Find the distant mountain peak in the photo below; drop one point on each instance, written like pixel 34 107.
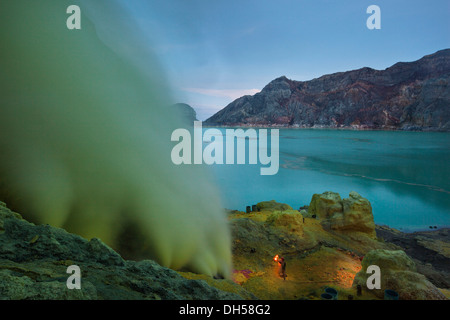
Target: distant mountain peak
pixel 186 112
pixel 282 78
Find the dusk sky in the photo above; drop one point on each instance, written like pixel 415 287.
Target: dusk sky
pixel 216 51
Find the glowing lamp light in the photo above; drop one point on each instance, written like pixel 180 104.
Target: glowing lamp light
pixel 275 258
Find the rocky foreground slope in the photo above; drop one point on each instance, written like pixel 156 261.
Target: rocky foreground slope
pixel 34 261
pixel 329 244
pixel 406 96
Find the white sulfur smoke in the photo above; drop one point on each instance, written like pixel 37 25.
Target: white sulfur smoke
pixel 85 138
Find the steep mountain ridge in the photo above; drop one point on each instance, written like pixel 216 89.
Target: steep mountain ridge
pixel 406 96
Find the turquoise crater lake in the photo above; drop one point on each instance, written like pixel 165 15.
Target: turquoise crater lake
pixel 405 175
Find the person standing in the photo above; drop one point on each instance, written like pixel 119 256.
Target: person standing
pixel 282 268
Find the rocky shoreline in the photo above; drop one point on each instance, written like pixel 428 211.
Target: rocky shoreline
pixel 327 245
pixel 323 127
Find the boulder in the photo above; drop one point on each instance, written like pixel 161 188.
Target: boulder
pixel 353 214
pixel 272 206
pixel 291 220
pixel 356 216
pixel 325 205
pixel 398 273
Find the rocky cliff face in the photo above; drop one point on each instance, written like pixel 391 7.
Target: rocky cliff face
pixel 406 96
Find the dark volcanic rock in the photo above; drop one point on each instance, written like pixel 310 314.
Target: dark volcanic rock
pixel 406 96
pixel 34 261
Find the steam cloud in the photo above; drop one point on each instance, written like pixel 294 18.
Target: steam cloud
pixel 85 138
